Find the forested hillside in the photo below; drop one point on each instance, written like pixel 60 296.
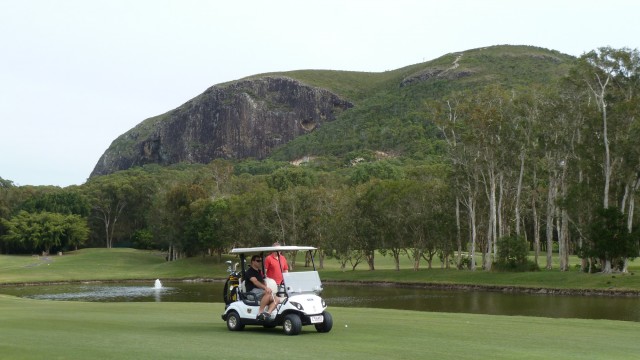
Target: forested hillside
pixel 332 113
pixel 479 158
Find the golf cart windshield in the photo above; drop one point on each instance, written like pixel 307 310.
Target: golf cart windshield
pixel 302 282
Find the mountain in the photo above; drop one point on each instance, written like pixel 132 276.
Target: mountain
pixel 290 115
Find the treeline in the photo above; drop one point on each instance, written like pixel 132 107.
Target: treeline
pixel 191 210
pixel 562 161
pixel 543 169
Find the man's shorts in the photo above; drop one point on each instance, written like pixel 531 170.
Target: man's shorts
pixel 258 292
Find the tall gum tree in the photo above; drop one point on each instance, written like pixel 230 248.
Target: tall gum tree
pixel 612 77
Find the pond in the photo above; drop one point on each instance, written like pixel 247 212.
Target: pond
pixel 388 297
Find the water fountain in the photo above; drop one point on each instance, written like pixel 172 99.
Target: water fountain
pixel 157 285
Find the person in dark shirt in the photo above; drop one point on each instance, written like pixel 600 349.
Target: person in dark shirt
pixel 257 285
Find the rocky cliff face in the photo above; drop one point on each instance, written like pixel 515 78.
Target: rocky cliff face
pixel 245 119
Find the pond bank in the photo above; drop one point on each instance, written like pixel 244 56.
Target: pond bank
pixel 496 288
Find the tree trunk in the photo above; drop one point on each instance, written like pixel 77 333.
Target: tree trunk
pixel 607 153
pixel 563 222
pixel 501 227
pixel 458 234
pixel 370 260
pixel 536 230
pixel 551 199
pixel 632 191
pixel 472 220
pixel 491 226
pixel 518 192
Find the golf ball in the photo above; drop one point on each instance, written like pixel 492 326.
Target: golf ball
pixel 346 325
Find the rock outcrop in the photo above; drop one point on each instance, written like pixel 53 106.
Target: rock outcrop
pixel 243 119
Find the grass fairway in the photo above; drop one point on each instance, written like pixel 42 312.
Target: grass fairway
pixel 123 264
pixel 38 329
pixel 32 329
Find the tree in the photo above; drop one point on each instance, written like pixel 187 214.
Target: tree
pixel 612 78
pixel 343 241
pixel 474 126
pixel 44 231
pixel 610 239
pixel 64 201
pixel 206 229
pixel 76 230
pixel 512 253
pixel 178 211
pixel 108 198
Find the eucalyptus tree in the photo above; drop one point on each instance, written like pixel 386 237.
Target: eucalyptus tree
pixel 612 78
pixel 482 116
pixel 523 125
pixel 465 163
pixel 120 202
pixel 559 137
pixel 325 201
pixel 221 172
pixel 108 199
pixel 292 206
pixel 382 206
pixel 178 204
pixel 429 217
pixel 252 218
pixel 294 211
pixel 429 221
pixel 206 230
pixel 343 242
pixel 370 231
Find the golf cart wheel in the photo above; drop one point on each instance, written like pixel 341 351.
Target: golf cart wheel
pixel 327 324
pixel 234 323
pixel 292 324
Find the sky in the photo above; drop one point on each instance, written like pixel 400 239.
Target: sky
pixel 76 74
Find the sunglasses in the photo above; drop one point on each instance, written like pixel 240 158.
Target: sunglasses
pixel 258 260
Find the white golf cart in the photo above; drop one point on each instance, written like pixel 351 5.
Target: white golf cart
pixel 299 296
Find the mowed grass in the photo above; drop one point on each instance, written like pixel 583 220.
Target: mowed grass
pixel 105 264
pixel 38 329
pixel 32 329
pixel 128 264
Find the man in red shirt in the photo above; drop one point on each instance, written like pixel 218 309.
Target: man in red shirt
pixel 275 264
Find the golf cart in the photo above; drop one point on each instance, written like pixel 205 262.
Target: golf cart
pixel 299 296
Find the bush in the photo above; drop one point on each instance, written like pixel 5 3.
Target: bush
pixel 512 255
pixel 528 265
pixel 465 263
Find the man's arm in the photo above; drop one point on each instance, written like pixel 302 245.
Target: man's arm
pixel 259 284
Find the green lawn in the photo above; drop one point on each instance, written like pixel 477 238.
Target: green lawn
pixel 33 329
pixel 38 329
pixel 120 264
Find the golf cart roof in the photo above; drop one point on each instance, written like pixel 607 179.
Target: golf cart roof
pixel 271 249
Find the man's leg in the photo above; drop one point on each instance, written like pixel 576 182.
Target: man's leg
pixel 272 303
pixel 264 302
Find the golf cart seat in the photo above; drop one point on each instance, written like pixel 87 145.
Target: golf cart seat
pixel 248 298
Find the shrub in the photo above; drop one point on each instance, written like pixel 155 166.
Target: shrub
pixel 512 255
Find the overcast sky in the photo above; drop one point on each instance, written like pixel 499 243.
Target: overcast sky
pixel 74 75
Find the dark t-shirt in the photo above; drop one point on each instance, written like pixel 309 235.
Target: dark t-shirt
pixel 250 273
